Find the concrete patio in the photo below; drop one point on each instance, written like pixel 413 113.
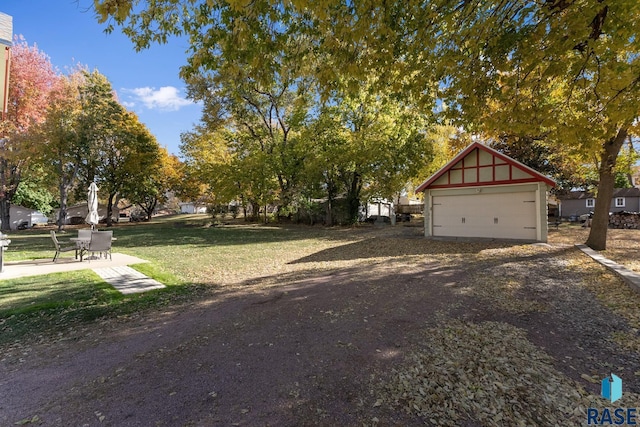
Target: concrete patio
pixel 113 271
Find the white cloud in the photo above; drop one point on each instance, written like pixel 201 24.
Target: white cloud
pixel 167 98
pixel 128 104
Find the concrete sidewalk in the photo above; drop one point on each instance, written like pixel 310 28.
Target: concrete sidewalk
pixel 127 280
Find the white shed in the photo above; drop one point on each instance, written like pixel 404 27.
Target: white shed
pixel 192 208
pixel 81 210
pixel 484 193
pixel 20 214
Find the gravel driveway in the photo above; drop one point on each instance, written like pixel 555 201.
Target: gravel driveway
pixel 393 329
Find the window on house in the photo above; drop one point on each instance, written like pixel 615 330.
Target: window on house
pixel 619 202
pixel 591 203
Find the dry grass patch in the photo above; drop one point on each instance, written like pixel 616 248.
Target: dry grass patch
pixel 618 297
pixel 623 246
pixel 487 372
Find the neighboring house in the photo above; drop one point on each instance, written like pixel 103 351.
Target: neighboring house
pixel 553 206
pixel 406 200
pixel 192 208
pixel 376 208
pixel 583 202
pixel 79 213
pixel 20 214
pixel 484 193
pixel 379 207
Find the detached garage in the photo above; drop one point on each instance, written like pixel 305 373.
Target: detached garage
pixel 483 193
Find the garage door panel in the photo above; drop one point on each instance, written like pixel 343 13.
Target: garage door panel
pixel 503 215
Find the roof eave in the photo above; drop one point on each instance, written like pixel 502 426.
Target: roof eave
pixel 422 187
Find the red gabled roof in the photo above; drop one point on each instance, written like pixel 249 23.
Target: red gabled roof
pixel 537 176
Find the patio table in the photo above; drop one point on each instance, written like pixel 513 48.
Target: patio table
pixel 83 243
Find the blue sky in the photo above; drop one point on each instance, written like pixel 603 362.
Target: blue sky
pixel 147 82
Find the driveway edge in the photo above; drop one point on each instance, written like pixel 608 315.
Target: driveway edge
pixel 632 278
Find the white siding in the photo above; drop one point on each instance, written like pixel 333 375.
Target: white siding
pixel 502 215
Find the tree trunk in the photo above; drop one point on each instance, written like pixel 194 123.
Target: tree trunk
pixel 148 207
pixel 632 154
pixel 110 210
pixel 62 215
pixel 10 178
pixel 331 196
pixel 597 239
pixel 151 208
pixel 5 206
pixel 255 210
pixel 284 198
pixel 353 198
pixel 65 184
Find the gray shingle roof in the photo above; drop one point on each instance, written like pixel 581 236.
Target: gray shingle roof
pixel 618 192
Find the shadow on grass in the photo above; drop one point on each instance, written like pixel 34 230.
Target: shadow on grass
pixel 383 247
pixel 46 304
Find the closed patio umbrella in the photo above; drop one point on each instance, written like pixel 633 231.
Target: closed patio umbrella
pixel 92 203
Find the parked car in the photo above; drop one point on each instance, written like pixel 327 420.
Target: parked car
pixel 123 217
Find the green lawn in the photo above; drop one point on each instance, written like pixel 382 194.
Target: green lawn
pixel 183 251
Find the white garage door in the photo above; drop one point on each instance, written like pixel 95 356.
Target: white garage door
pixel 503 215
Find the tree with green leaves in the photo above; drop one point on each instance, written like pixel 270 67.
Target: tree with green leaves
pixel 566 70
pixel 366 144
pixel 112 147
pixel 231 165
pixel 100 116
pixel 152 187
pixel 128 157
pixel 62 149
pixel 559 68
pixel 263 103
pixel 35 191
pixel 328 140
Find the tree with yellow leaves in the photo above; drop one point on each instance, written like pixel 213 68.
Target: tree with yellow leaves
pixel 567 69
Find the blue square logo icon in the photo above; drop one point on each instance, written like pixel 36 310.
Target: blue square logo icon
pixel 611 388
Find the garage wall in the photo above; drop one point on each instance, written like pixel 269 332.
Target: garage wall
pixel 499 211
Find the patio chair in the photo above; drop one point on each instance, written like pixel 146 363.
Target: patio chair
pixel 59 248
pixel 100 242
pixel 84 233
